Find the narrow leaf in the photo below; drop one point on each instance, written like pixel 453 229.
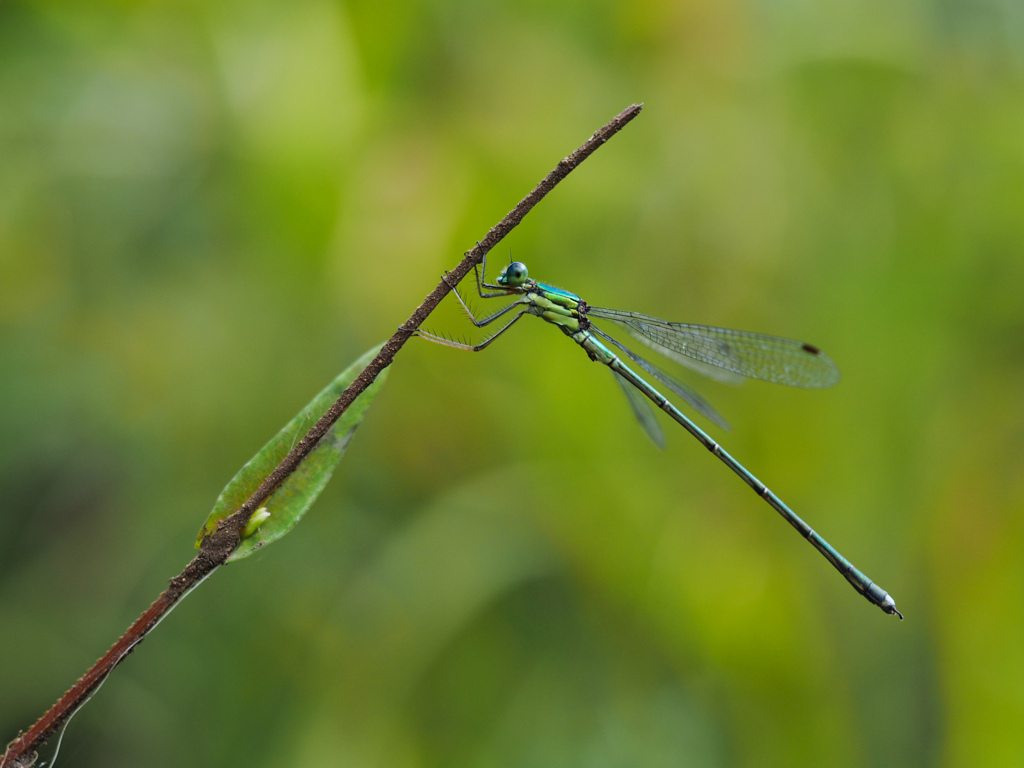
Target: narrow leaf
pixel 293 497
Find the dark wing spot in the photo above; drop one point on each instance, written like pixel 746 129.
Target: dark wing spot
pixel 812 350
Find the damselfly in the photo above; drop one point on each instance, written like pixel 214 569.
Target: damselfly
pixel 716 352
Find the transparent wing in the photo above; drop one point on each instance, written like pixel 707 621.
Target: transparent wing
pixel 642 410
pixel 754 355
pixel 698 403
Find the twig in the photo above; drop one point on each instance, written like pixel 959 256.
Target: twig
pixel 216 547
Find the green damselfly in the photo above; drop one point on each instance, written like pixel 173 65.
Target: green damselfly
pixel 716 352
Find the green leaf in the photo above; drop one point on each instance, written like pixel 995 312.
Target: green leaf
pixel 294 496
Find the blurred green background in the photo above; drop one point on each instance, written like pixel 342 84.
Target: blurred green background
pixel 207 210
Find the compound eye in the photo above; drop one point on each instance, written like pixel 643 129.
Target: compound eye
pixel 516 274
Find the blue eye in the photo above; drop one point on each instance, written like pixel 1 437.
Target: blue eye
pixel 514 275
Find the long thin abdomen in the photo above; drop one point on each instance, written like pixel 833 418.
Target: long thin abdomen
pixel 875 594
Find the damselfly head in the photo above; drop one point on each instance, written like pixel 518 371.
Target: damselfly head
pixel 514 275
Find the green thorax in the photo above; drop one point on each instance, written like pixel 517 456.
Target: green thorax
pixel 559 307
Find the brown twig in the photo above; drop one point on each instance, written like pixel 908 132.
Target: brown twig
pixel 216 547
